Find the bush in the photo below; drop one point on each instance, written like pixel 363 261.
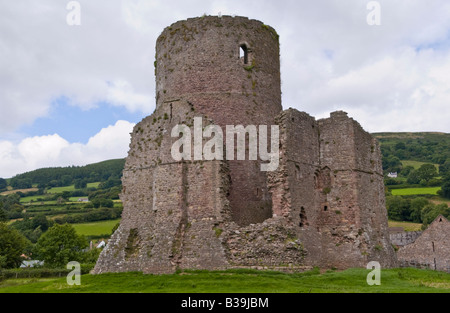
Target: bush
pixel 106 203
pixel 431 212
pixel 60 245
pixel 435 182
pixel 446 188
pixel 89 205
pixel 417 205
pixel 398 208
pixel 12 246
pixel 96 215
pixel 3 217
pixel 3 184
pixel 407 208
pixel 14 215
pixel 392 182
pixel 41 272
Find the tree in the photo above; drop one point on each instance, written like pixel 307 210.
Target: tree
pixel 66 180
pixel 398 208
pixel 80 183
pixel 40 221
pixel 21 183
pixel 392 164
pixel 400 146
pixel 407 170
pixel 446 187
pixel 413 177
pixel 66 195
pixel 9 201
pixel 12 246
pixel 444 169
pixel 434 182
pixel 60 245
pixel 3 184
pixel 102 203
pixel 111 182
pixel 417 205
pixel 431 212
pixel 3 217
pixel 91 256
pixel 427 172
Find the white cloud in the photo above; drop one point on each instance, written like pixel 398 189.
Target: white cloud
pixel 399 92
pixel 121 93
pixel 51 151
pixel 325 45
pixel 42 59
pixel 41 151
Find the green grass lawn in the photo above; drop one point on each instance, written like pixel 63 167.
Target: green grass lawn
pixel 96 228
pixel 243 281
pixel 415 191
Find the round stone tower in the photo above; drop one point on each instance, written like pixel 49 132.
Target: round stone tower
pixel 227 68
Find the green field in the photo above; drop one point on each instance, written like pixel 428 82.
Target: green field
pixel 53 191
pixel 407 226
pixel 31 198
pixel 96 228
pixel 417 164
pixel 415 191
pixel 243 281
pixel 70 188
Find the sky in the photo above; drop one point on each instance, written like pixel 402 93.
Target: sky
pixel 71 94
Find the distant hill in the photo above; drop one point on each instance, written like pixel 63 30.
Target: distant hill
pixel 430 147
pixel 65 176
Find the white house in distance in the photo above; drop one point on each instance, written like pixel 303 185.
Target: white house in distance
pixel 393 175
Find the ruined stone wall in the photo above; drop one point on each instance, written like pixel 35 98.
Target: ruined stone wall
pixel 329 186
pixel 198 60
pixel 404 238
pixel 170 208
pixel 354 220
pixel 431 249
pixel 293 184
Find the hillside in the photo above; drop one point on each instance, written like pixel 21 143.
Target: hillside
pixel 425 147
pixel 419 187
pixel 65 176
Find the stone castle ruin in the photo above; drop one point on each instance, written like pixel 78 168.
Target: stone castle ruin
pixel 323 206
pixel 430 249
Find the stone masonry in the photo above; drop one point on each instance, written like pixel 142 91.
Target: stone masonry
pixel 431 249
pixel 324 205
pixel 404 238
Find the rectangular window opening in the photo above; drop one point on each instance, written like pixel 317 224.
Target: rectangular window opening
pixel 243 53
